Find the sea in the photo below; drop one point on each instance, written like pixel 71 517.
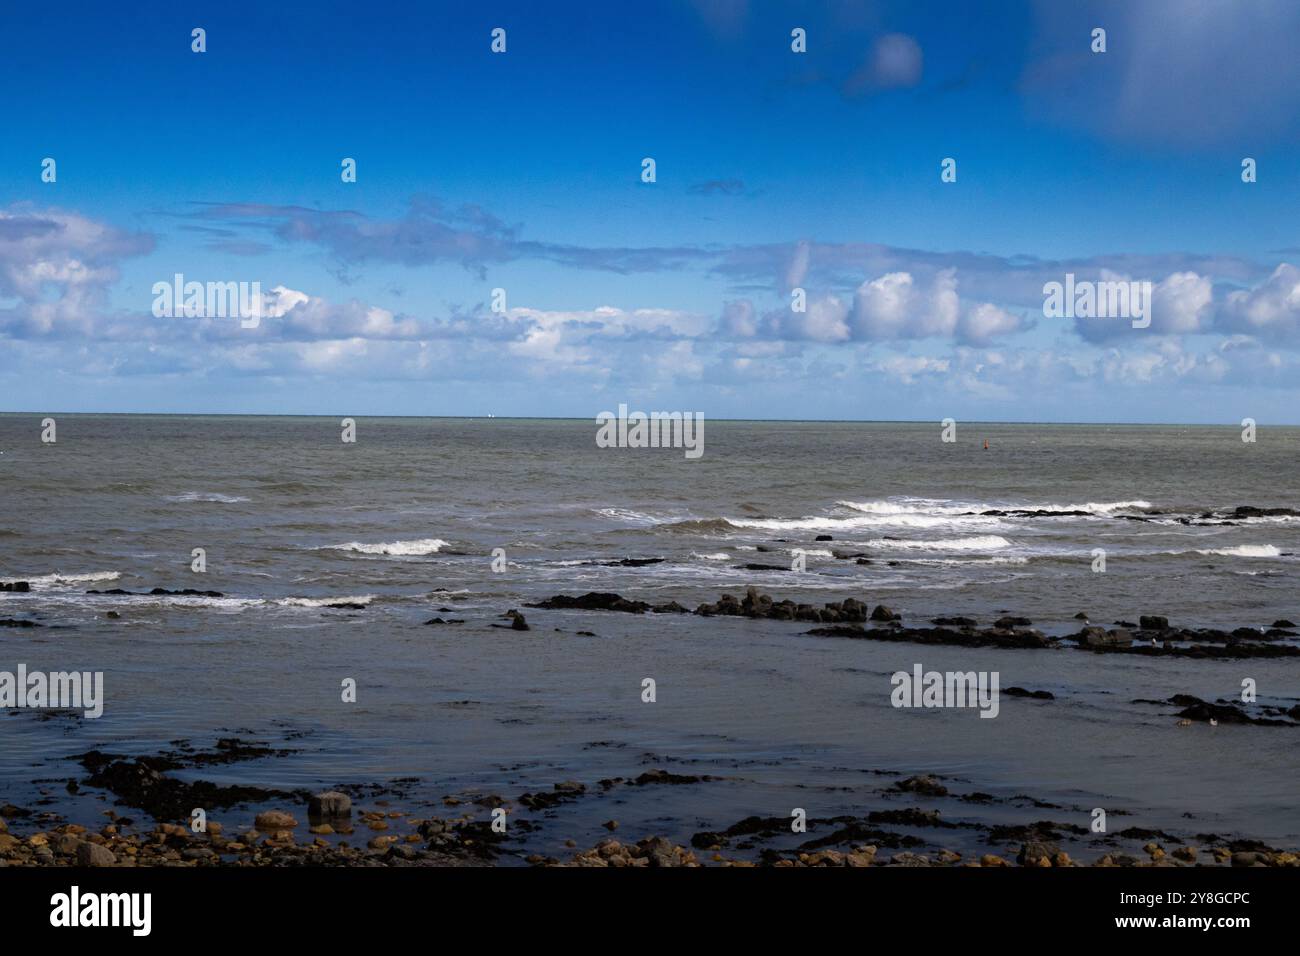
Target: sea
pixel 466 519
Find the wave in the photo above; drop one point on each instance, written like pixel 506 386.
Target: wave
pixel 416 548
pixel 933 508
pixel 208 496
pixel 985 542
pixel 323 602
pixel 626 514
pixel 702 526
pixel 715 556
pixel 1245 551
pixel 43 581
pixel 965 562
pixel 1102 508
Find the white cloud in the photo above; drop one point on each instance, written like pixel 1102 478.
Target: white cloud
pixel 1271 310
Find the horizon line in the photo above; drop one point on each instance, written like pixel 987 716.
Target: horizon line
pixel 593 419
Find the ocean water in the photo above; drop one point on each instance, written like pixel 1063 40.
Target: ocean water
pixel 405 522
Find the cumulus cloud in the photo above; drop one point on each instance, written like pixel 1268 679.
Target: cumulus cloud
pixel 1271 310
pixel 1182 303
pixel 895 307
pixel 57 268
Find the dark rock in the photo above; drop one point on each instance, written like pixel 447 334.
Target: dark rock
pixel 15 622
pixel 1094 636
pixel 15 587
pixel 593 601
pixel 1197 709
pixel 954 621
pixel 1151 622
pixel 882 613
pixel 142 783
pixel 561 792
pixel 1249 511
pixel 157 592
pixel 824 537
pixel 1009 622
pixel 1035 850
pixel 658 851
pixel 438 620
pixel 633 562
pixel 924 784
pixel 1035 694
pixel 663 776
pixel 965 637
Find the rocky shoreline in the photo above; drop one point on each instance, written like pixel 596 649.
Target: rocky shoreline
pixel 910 823
pixel 904 824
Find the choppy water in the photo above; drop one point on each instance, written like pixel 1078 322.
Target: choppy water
pixel 405 522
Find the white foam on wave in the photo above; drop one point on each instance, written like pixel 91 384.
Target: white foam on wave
pixel 715 556
pixel 208 496
pixel 421 546
pixel 822 523
pixel 626 514
pixel 985 542
pixel 1245 551
pixel 932 508
pixel 966 562
pixel 325 601
pixel 1100 508
pixel 59 579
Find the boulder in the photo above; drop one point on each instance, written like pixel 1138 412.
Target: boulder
pixel 330 805
pixel 92 854
pixel 274 820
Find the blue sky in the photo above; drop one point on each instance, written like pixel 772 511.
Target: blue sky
pixel 775 170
